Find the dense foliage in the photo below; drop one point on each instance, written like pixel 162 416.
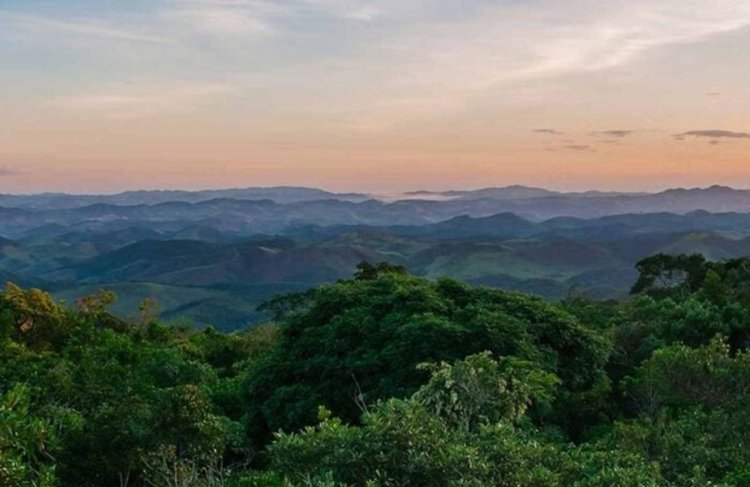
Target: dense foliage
pixel 388 379
pixel 358 342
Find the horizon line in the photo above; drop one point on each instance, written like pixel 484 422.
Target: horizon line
pixel 411 192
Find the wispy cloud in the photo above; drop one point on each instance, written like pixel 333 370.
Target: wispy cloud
pixel 578 147
pixel 230 18
pixel 346 9
pixel 263 16
pixel 8 171
pixel 142 100
pixel 184 23
pixel 612 133
pixel 616 32
pixel 713 134
pixel 414 60
pixel 506 43
pixel 35 25
pixel 365 14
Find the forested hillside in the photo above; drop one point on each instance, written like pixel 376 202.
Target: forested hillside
pixel 211 257
pixel 209 263
pixel 388 379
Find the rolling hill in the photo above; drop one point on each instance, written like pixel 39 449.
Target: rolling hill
pixel 213 256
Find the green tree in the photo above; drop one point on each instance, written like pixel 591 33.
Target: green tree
pixel 357 342
pixel 27 443
pixel 39 321
pixel 479 390
pixel 465 436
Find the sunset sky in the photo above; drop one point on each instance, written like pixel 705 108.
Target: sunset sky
pixel 102 96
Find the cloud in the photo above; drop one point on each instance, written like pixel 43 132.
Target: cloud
pixel 365 14
pixel 612 133
pixel 182 23
pixel 145 100
pixel 247 16
pixel 7 171
pixel 415 60
pixel 713 134
pixel 454 62
pixel 578 147
pixel 172 24
pixel 345 9
pixel 224 19
pixel 85 28
pixel 548 131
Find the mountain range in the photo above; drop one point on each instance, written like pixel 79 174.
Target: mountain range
pixel 210 257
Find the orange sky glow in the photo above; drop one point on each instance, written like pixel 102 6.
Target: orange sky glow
pixel 374 96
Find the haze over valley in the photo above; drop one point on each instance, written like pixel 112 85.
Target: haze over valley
pixel 210 257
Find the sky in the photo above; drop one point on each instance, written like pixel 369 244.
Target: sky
pixel 382 95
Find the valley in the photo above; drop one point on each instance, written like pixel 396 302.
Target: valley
pixel 212 261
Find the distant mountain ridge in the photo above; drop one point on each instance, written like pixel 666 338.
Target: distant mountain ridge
pixel 296 207
pixel 515 191
pixel 212 256
pixel 279 194
pixel 297 194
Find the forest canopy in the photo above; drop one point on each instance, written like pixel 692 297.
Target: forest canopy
pixel 388 379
